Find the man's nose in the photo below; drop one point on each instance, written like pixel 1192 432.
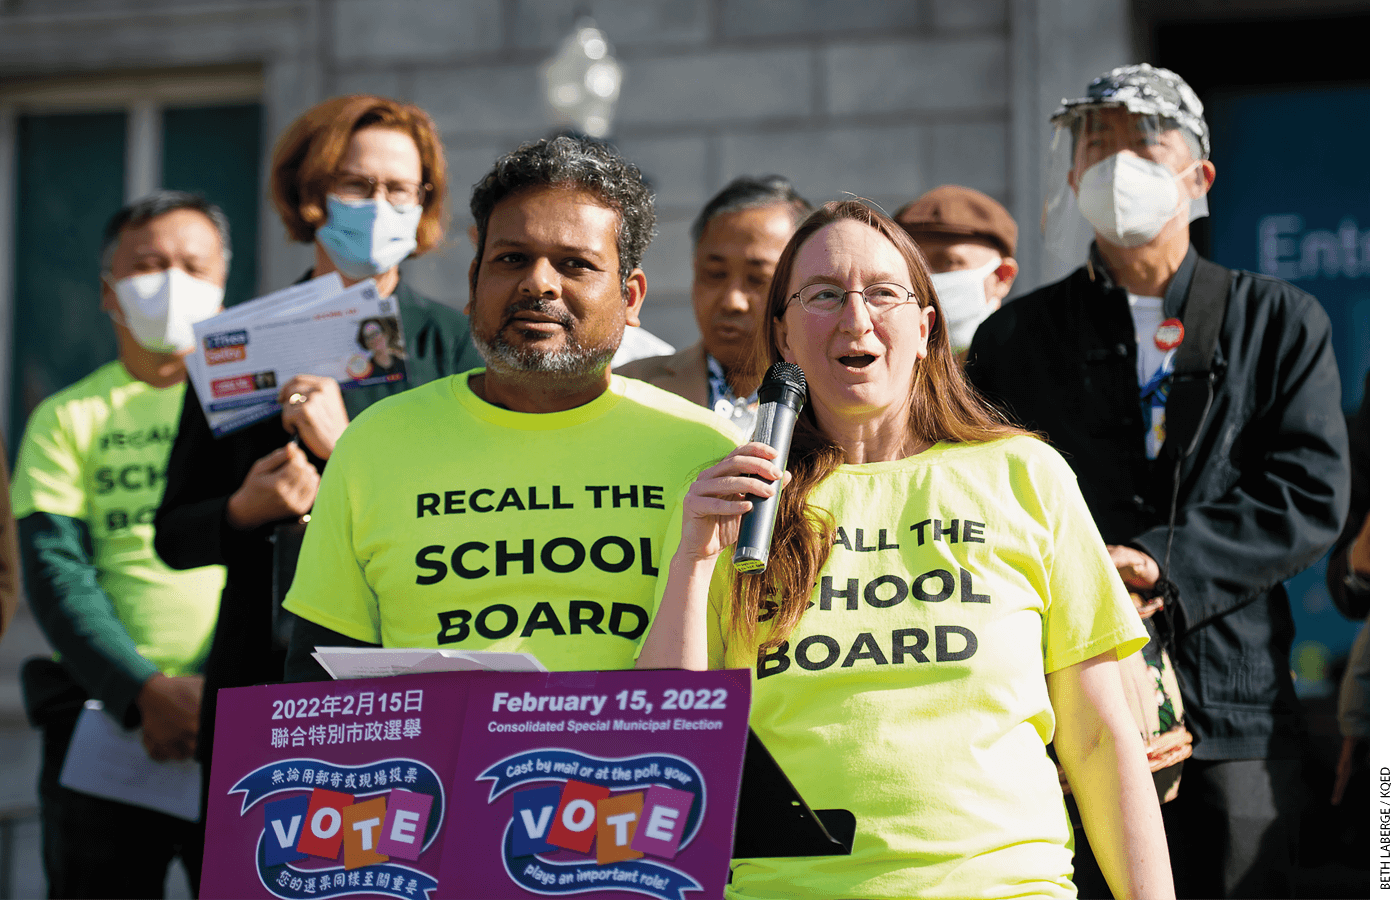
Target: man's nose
pixel 736 296
pixel 541 279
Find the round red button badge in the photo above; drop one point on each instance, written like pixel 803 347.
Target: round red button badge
pixel 1169 335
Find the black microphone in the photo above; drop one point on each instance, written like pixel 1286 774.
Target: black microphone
pixel 780 399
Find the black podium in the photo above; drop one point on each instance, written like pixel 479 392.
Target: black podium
pixel 774 820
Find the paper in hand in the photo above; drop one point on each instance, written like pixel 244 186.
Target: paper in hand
pixel 244 355
pixel 108 761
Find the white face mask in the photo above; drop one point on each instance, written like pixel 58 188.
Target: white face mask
pixel 160 308
pixel 1129 200
pixel 962 294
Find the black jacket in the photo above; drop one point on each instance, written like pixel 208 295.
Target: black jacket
pixel 1353 601
pixel 204 471
pixel 1261 497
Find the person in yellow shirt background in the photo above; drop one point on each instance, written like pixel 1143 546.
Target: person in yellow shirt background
pixel 128 630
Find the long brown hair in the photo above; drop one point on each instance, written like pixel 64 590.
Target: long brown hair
pixel 943 408
pixel 306 156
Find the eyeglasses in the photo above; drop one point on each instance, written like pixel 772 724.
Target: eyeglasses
pixel 825 299
pixel 363 187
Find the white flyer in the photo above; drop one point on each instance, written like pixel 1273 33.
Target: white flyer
pixel 379 662
pixel 269 305
pixel 244 355
pixel 108 761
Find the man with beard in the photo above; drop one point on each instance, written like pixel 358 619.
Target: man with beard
pixel 520 521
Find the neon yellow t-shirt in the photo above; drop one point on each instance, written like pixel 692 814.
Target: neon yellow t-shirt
pixel 444 521
pixel 913 689
pixel 96 451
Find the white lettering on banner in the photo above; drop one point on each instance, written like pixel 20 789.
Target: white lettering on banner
pixel 325 822
pixel 351 733
pixel 1287 251
pixel 348 705
pixel 577 816
pixel 286 836
pixel 366 829
pixel 662 824
pixel 619 824
pixel 405 826
pixel 528 702
pixel 535 829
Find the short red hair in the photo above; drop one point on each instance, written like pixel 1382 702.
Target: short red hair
pixel 310 150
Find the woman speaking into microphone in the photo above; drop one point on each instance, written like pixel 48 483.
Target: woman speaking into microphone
pixel 937 606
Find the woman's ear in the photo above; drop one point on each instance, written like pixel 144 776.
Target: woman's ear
pixel 780 337
pixel 927 316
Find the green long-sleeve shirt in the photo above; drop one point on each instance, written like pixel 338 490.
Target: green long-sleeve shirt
pixel 77 616
pixel 89 476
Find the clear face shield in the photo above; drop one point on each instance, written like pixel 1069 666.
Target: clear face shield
pixel 1120 177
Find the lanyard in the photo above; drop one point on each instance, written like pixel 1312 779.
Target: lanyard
pixel 1153 398
pixel 740 411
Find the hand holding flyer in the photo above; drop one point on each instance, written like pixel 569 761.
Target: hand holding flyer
pixel 244 356
pixel 314 410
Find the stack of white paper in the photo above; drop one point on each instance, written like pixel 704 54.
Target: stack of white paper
pixel 378 662
pixel 108 761
pixel 244 355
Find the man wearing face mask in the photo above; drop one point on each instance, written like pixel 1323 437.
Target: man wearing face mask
pixel 1200 408
pixel 969 240
pixel 129 631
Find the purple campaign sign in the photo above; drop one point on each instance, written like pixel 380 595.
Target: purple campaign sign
pixel 277 745
pixel 355 788
pixel 588 757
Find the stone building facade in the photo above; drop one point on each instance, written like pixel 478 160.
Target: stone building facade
pixel 884 99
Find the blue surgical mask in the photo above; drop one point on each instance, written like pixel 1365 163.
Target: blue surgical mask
pixel 368 237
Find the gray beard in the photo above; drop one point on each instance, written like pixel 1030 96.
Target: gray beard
pixel 573 360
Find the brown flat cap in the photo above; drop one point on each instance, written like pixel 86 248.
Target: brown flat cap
pixel 954 209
